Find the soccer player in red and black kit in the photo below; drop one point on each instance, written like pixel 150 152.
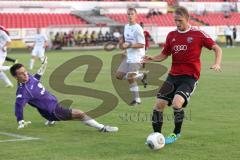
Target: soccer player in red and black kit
pixel 184 45
pixel 147 37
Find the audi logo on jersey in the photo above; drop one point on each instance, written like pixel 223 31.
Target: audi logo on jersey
pixel 178 48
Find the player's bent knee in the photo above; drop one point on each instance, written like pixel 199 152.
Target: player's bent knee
pixel 77 114
pixel 178 101
pixel 160 104
pixel 131 81
pixel 119 76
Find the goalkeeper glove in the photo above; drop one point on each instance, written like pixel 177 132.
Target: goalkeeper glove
pixel 43 67
pixel 22 124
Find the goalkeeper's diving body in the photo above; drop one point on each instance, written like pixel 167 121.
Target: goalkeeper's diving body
pixel 31 91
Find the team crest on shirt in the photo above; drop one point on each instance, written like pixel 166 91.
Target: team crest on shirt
pixel 173 40
pixel 189 39
pixel 19 96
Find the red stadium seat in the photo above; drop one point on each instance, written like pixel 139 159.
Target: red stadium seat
pixel 218 18
pixel 34 20
pixel 160 20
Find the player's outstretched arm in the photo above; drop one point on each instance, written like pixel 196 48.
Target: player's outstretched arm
pixel 127 45
pixel 19 105
pixel 157 58
pixel 218 58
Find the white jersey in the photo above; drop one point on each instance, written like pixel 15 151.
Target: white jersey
pixel 228 31
pixel 4 38
pixel 39 41
pixel 134 34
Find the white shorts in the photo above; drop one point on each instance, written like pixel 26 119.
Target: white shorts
pixel 125 67
pixel 38 52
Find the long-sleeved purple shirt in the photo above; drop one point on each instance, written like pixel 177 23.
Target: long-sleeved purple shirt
pixel 34 93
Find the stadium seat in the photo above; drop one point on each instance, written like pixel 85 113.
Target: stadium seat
pixel 159 20
pixel 35 20
pixel 218 18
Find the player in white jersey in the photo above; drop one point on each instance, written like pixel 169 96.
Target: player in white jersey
pixel 39 48
pixel 9 59
pixel 4 42
pixel 133 42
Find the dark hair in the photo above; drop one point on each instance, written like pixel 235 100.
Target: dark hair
pixel 132 9
pixel 141 24
pixel 14 68
pixel 182 11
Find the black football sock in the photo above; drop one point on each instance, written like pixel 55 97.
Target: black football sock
pixel 10 59
pixel 178 120
pixel 157 121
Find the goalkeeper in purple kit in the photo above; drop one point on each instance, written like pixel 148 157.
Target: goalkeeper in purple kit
pixel 31 91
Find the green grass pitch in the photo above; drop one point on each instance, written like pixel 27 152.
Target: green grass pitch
pixel 211 130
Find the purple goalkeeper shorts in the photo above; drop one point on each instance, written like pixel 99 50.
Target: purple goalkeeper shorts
pixel 62 114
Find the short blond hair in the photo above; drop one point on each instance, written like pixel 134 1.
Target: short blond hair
pixel 182 11
pixel 132 9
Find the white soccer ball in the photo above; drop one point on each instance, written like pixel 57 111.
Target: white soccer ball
pixel 155 141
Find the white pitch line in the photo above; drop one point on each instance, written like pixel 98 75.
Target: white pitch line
pixel 19 137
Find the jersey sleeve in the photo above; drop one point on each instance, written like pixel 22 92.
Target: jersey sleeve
pixel 207 41
pixel 19 105
pixel 140 36
pixel 167 48
pixel 37 76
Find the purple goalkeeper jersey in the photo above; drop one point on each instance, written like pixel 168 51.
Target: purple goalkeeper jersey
pixel 34 93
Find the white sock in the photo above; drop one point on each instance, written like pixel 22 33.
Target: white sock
pixel 92 123
pixel 138 100
pixel 135 91
pixel 31 64
pixel 125 77
pixel 130 75
pixel 139 76
pixel 4 68
pixel 4 77
pixel 42 59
